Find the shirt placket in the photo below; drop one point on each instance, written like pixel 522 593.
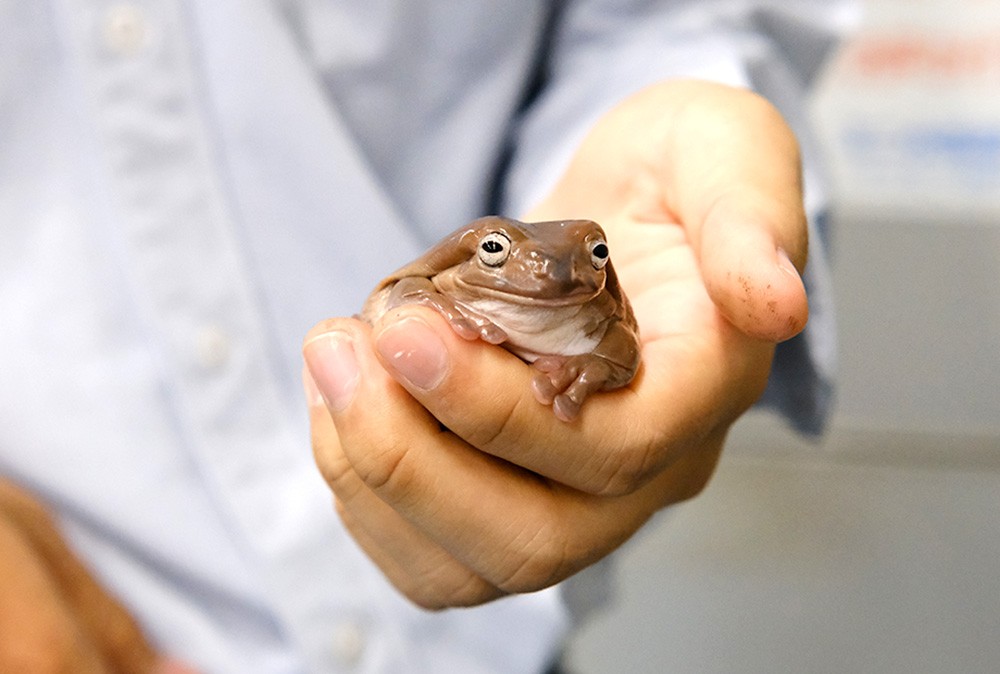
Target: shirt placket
pixel 169 205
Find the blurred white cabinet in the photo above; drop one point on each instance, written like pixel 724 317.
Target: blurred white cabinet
pixel 908 114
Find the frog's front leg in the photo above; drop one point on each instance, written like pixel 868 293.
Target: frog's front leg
pixel 565 382
pixel 466 322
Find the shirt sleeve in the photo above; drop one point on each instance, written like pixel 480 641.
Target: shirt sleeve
pixel 601 51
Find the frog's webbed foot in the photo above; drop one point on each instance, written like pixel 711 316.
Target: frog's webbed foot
pixel 468 324
pixel 565 382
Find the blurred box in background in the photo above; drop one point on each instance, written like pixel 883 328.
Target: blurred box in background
pixel 908 116
pixel 909 109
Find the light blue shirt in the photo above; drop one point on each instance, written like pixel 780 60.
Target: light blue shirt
pixel 186 187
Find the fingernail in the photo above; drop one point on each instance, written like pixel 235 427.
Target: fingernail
pixel 414 351
pixel 313 397
pixel 333 368
pixel 785 263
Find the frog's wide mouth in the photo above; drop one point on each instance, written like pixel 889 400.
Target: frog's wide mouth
pixel 577 295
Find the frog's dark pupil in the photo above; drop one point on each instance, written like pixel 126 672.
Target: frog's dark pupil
pixel 492 246
pixel 601 251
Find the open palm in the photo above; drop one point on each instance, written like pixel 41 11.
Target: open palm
pixel 703 211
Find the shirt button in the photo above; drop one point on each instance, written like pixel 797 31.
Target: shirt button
pixel 348 643
pixel 212 347
pixel 125 29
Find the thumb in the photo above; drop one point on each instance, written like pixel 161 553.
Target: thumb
pixel 751 276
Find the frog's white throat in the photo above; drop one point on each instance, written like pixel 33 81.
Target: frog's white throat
pixel 535 329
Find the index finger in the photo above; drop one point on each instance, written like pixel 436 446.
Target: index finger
pixel 621 439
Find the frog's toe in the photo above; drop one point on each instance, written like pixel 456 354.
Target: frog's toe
pixel 565 408
pixel 549 363
pixel 464 328
pixel 558 376
pixel 492 334
pixel 543 389
pixel 560 388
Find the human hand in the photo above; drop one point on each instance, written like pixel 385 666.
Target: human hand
pixel 448 472
pixel 54 617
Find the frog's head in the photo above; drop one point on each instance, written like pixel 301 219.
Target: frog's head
pixel 557 262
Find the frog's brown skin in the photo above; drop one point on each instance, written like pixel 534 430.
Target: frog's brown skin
pixel 546 291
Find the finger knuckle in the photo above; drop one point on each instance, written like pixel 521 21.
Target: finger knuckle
pixel 457 591
pixel 692 487
pixel 337 473
pixel 386 470
pixel 543 559
pixel 505 428
pixel 622 476
pixel 694 471
pixel 355 461
pixel 624 467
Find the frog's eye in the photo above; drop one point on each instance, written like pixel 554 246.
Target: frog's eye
pixel 494 249
pixel 598 254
